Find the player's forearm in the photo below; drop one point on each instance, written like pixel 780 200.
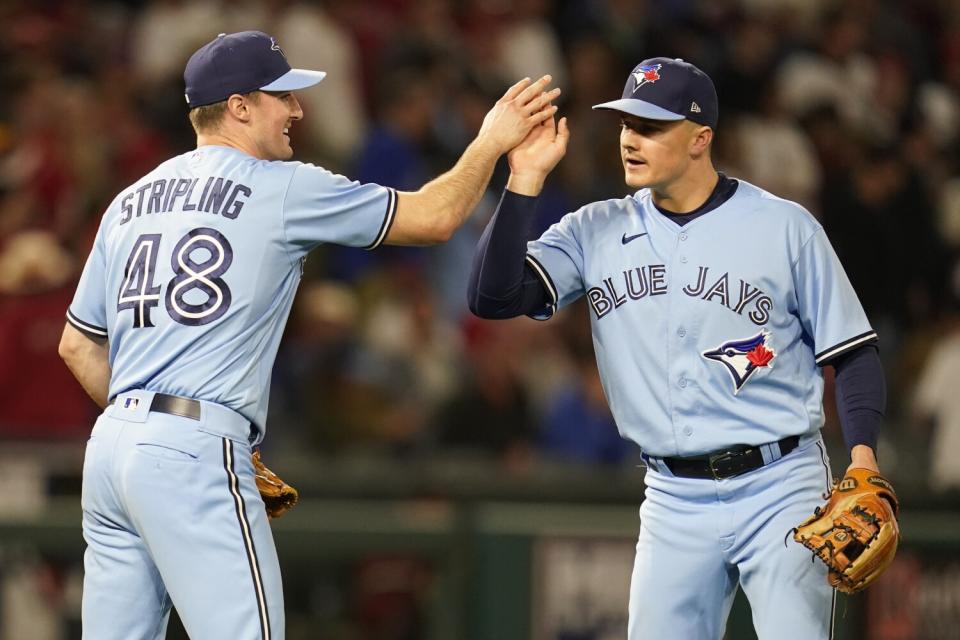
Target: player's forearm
pixel 861 401
pixel 89 362
pixel 458 191
pixel 441 206
pixel 500 285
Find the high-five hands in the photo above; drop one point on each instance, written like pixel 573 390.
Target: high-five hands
pixel 534 158
pixel 524 106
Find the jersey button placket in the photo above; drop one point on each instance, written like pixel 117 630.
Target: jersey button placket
pixel 683 401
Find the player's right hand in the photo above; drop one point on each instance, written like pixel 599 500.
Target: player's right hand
pixel 524 106
pixel 536 156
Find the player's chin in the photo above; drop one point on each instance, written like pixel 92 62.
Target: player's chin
pixel 285 152
pixel 636 177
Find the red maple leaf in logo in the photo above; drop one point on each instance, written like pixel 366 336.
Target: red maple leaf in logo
pixel 651 75
pixel 761 356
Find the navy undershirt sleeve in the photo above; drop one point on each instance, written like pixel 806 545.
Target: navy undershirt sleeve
pixel 501 284
pixel 861 395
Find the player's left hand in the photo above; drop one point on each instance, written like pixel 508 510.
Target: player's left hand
pixel 863 457
pixel 536 156
pixel 278 496
pixel 856 533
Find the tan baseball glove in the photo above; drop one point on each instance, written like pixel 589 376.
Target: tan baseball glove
pixel 856 532
pixel 278 496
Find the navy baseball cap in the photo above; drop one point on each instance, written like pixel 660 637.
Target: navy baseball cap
pixel 668 89
pixel 240 63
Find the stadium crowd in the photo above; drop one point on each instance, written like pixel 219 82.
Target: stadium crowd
pixel 851 108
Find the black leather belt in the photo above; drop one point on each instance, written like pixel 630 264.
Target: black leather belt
pixel 727 464
pixel 175 406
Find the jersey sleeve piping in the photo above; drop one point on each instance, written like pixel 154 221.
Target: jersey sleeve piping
pixel 90 330
pixel 817 229
pixel 388 219
pixel 283 216
pixel 548 285
pixel 825 356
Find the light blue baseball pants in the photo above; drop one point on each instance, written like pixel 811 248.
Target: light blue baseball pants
pixel 172 516
pixel 700 538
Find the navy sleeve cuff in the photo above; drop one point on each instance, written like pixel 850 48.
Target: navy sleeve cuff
pixel 861 395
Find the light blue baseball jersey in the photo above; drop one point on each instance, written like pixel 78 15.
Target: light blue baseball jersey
pixel 195 266
pixel 711 334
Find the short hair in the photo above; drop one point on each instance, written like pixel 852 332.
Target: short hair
pixel 207 118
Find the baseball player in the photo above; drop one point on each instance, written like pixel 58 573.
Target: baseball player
pixel 713 306
pixel 175 324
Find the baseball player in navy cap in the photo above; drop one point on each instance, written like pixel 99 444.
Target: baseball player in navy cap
pixel 713 306
pixel 175 324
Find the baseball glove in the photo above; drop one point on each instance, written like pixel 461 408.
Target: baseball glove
pixel 278 496
pixel 856 533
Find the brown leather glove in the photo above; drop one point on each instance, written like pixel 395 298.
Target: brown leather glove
pixel 856 533
pixel 278 496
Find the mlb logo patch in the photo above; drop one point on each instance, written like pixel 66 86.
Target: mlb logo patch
pixel 131 403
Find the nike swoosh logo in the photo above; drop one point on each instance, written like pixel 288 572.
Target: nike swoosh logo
pixel 625 239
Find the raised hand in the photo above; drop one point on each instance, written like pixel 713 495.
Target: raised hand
pixel 524 106
pixel 537 155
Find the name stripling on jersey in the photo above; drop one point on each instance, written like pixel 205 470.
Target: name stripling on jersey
pixel 214 238
pixel 220 196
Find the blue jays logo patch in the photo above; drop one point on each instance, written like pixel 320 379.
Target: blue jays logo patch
pixel 646 73
pixel 742 358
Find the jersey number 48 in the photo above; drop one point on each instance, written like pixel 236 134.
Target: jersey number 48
pixel 196 295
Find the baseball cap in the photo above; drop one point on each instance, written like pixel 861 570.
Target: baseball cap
pixel 240 63
pixel 668 89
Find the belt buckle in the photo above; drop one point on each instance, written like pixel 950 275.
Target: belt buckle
pixel 718 457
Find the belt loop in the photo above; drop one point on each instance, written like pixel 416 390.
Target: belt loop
pixel 649 461
pixel 770 452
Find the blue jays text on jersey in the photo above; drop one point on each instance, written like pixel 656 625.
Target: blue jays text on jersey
pixel 638 282
pixel 710 334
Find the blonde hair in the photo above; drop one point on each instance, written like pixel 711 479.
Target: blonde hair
pixel 207 118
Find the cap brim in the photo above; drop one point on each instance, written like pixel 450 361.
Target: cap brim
pixel 295 79
pixel 640 109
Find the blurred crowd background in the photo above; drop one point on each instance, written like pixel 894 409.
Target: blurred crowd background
pixel 851 108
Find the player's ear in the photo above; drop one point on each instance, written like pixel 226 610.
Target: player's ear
pixel 700 140
pixel 238 107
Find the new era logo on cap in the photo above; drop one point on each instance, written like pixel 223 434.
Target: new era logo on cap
pixel 240 63
pixel 668 89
